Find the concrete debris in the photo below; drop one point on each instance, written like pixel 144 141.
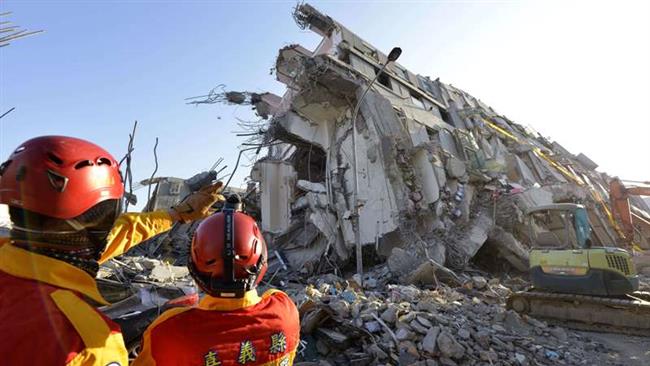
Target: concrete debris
pixel 429 341
pixel 586 162
pixel 167 273
pixel 407 325
pixel 424 274
pixel 449 347
pixel 264 104
pixel 479 282
pixel 514 324
pixel 402 262
pixel 235 97
pixel 455 168
pixel 308 186
pixel 507 247
pixel 128 269
pixel 475 236
pixel 139 289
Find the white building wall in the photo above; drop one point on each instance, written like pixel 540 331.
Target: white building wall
pixel 277 180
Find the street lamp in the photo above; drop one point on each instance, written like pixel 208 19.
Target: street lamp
pixel 392 56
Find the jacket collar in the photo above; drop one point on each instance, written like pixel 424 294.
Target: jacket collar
pixel 250 298
pixel 22 263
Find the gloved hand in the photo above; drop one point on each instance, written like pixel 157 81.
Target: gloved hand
pixel 197 204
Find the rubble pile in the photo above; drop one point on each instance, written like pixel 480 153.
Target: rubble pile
pixel 343 324
pixel 143 269
pixel 172 247
pixel 139 289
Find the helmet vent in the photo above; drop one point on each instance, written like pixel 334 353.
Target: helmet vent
pixel 104 161
pixel 83 164
pixel 211 261
pixel 19 149
pixel 57 181
pixel 57 160
pixel 4 167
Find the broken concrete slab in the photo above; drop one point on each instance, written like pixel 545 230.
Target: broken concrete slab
pixel 455 168
pixel 449 346
pixel 586 162
pixel 509 248
pixel 429 342
pixel 167 273
pixel 402 262
pixel 427 176
pixel 277 180
pixel 533 197
pixel 475 236
pixel 518 171
pixel 308 186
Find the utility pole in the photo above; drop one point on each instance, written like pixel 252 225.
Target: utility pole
pixel 392 56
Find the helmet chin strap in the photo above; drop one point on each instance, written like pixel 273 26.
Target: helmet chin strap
pixel 63 245
pixel 90 266
pixel 45 232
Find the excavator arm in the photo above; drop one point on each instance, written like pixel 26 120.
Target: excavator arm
pixel 619 196
pixel 638 191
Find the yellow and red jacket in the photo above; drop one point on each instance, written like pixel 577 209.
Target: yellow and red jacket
pixel 44 319
pixel 248 331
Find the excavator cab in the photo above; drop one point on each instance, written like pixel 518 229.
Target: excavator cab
pixel 563 260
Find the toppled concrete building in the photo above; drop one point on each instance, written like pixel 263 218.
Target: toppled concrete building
pixel 441 174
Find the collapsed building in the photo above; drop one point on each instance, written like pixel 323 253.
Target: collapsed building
pixel 436 179
pixel 442 176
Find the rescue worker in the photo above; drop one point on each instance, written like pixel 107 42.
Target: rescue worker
pixel 64 196
pixel 232 324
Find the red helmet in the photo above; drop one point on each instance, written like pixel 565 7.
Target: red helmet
pixel 228 254
pixel 59 177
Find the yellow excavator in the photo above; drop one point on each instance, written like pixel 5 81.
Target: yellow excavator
pixel 576 284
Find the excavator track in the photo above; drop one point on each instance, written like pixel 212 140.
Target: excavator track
pixel 628 314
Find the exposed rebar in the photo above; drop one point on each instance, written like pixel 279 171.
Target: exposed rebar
pixel 128 177
pixel 7 112
pixel 13 32
pixel 155 170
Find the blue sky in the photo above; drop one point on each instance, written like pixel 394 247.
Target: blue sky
pixel 576 71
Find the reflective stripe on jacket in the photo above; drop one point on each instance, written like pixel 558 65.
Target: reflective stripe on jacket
pixel 251 331
pixel 44 319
